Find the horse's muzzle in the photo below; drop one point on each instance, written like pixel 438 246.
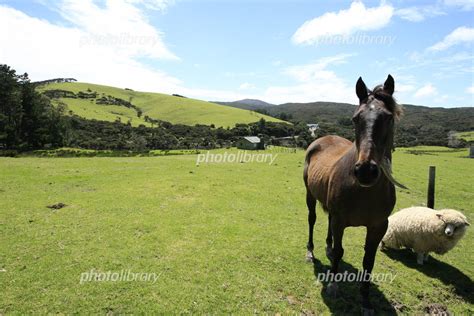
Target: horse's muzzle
pixel 366 173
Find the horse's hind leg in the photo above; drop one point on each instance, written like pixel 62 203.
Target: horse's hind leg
pixel 311 203
pixel 337 230
pixel 329 240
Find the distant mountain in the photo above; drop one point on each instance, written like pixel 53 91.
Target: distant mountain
pixel 418 125
pixel 333 112
pixel 248 104
pixel 314 112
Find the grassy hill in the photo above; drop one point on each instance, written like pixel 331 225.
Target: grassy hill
pixel 174 109
pixel 467 136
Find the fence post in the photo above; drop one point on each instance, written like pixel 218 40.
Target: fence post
pixel 431 187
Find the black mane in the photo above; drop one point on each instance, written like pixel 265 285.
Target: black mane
pixel 379 93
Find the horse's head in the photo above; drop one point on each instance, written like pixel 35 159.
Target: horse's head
pixel 374 123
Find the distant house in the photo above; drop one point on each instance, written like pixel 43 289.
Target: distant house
pixel 312 128
pixel 250 143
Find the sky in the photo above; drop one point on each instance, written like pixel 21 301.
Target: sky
pixel 224 50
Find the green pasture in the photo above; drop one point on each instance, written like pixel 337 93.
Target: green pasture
pixel 467 136
pixel 221 238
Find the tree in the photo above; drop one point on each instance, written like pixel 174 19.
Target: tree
pixel 27 119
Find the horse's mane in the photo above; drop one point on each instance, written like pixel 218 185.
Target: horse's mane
pixel 392 105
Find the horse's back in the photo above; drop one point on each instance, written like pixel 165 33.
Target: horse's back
pixel 329 148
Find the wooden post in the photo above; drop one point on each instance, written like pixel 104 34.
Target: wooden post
pixel 431 187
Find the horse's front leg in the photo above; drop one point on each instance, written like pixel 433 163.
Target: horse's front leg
pixel 311 203
pixel 337 231
pixel 372 240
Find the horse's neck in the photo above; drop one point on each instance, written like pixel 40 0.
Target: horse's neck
pixel 352 155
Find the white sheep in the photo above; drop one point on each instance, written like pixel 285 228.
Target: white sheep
pixel 425 230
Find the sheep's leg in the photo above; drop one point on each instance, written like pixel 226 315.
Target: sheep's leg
pixel 311 203
pixel 372 240
pixel 419 258
pixel 337 231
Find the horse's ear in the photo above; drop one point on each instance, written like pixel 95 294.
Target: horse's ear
pixel 361 90
pixel 389 85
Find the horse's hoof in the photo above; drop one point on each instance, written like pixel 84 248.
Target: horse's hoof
pixel 331 289
pixel 309 256
pixel 329 253
pixel 367 311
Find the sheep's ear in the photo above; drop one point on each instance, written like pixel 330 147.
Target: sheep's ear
pixel 467 223
pixel 440 216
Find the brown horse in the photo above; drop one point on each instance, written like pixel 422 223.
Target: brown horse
pixel 353 181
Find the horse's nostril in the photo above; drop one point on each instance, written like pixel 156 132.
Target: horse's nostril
pixel 366 172
pixel 357 166
pixel 374 170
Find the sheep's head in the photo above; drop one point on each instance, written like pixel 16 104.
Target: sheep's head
pixel 455 223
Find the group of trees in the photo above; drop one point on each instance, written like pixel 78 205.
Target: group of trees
pixel 92 134
pixel 418 126
pixel 27 119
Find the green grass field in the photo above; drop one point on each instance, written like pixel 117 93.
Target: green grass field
pixel 467 136
pixel 222 238
pixel 155 105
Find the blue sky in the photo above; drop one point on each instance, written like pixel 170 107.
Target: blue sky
pixel 277 51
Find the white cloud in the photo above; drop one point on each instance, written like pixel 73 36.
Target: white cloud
pixel 460 35
pixel 46 50
pixel 316 70
pixel 427 90
pixel 345 22
pixel 400 87
pixel 470 89
pixel 161 5
pixel 316 82
pixel 119 24
pixel 418 13
pixel 246 86
pixel 464 4
pixel 277 63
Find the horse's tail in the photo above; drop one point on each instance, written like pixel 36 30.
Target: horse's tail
pixel 312 148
